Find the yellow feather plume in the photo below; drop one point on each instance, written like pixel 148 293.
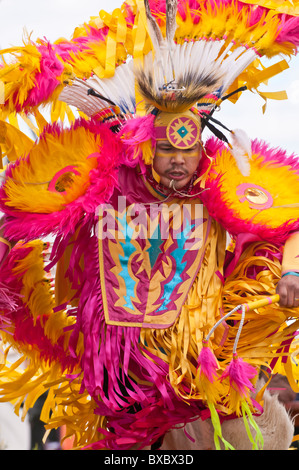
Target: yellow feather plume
pixel 28 186
pixel 273 178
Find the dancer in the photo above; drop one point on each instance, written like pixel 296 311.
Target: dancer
pixel 150 323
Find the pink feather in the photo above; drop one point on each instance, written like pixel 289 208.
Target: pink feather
pixel 46 80
pixel 219 208
pixel 240 373
pixel 289 30
pixel 138 130
pixel 207 363
pixel 134 133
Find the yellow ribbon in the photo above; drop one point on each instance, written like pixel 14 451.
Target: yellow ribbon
pixel 252 81
pixel 6 242
pixel 121 31
pixel 274 95
pixel 263 76
pixel 110 54
pixel 30 124
pixel 117 34
pixel 140 27
pixel 139 38
pixel 14 143
pixel 271 71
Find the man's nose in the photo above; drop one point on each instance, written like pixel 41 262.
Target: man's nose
pixel 178 156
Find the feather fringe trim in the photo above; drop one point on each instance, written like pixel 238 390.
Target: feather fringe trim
pixel 273 219
pixel 65 186
pixel 34 326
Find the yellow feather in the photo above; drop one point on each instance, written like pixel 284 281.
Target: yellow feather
pixel 28 186
pixel 274 178
pixel 14 143
pixel 291 7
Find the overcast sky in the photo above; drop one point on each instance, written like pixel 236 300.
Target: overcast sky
pixel 58 18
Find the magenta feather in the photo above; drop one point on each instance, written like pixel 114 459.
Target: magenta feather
pixel 207 363
pixel 239 374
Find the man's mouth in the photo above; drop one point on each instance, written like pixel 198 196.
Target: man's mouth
pixel 177 175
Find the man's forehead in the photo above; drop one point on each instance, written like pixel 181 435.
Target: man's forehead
pixel 164 143
pixel 182 131
pixel 165 149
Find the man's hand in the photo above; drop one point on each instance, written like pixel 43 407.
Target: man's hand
pixel 288 290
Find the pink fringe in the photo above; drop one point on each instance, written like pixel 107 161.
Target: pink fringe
pixel 16 319
pixel 144 427
pixel 8 300
pixel 138 413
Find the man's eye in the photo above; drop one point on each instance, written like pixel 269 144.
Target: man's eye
pixel 191 149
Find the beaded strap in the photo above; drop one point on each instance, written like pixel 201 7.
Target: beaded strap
pixel 291 273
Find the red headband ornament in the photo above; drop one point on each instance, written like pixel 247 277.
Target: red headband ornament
pixel 182 132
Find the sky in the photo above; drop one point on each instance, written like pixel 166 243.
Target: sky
pixel 279 126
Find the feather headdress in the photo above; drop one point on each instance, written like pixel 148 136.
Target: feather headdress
pixel 165 54
pixel 220 38
pixel 165 80
pixel 190 54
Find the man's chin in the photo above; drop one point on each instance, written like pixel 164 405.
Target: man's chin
pixel 174 183
pixel 179 184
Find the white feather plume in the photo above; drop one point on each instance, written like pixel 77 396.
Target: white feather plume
pixel 120 89
pixel 241 150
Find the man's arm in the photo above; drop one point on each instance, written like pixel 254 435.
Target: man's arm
pixel 288 286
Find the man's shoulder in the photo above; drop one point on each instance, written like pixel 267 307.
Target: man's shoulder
pixel 128 178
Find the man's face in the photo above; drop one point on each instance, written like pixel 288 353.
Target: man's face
pixel 174 164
